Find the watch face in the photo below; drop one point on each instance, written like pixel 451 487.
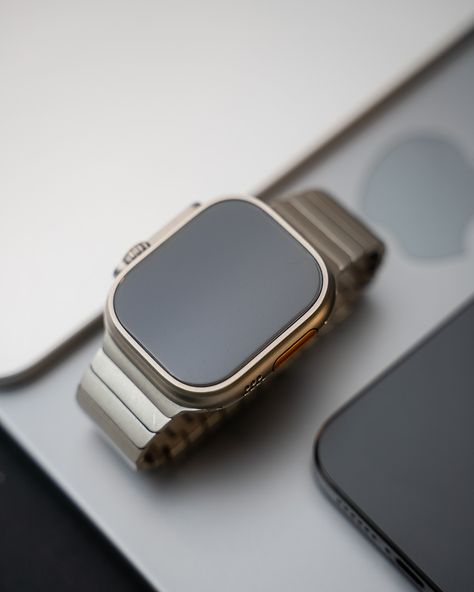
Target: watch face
pixel 217 292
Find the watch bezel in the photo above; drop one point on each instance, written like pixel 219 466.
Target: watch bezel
pixel 231 389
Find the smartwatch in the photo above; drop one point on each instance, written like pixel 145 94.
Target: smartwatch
pixel 206 310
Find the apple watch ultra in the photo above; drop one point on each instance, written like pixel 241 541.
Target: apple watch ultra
pixel 201 314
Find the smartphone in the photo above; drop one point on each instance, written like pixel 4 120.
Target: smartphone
pixel 398 459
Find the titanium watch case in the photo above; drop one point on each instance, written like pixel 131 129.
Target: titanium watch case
pixel 232 389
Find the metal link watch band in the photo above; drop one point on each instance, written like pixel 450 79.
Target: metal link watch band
pixel 349 248
pixel 146 426
pixel 150 429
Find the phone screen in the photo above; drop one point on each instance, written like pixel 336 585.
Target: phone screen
pixel 401 456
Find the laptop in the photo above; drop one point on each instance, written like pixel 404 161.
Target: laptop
pixel 243 511
pixel 108 113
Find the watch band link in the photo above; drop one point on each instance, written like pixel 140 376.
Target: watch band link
pixel 349 248
pixel 145 425
pixel 147 428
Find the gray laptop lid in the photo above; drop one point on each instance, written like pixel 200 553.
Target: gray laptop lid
pixel 114 117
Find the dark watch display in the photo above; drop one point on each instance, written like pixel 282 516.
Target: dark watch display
pixel 217 292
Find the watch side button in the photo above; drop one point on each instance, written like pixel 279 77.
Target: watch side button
pixel 291 351
pixel 130 255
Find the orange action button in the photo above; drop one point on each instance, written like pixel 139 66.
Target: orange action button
pixel 286 355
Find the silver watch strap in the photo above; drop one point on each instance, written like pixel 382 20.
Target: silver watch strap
pixel 349 248
pixel 144 424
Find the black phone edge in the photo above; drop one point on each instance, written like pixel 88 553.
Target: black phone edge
pixel 347 506
pixel 369 529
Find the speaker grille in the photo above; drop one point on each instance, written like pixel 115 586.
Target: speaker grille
pixel 255 382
